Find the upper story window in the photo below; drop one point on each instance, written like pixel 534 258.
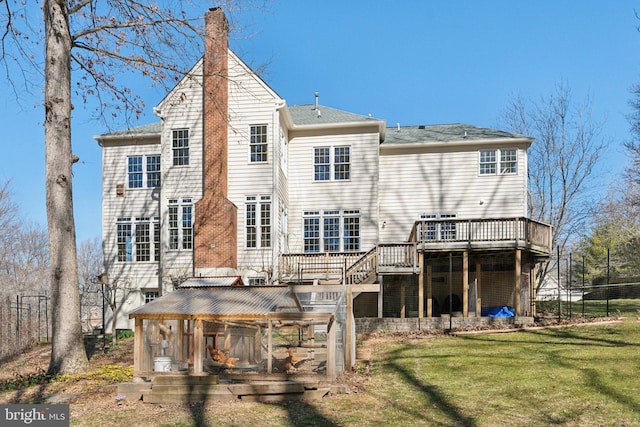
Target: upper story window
pixel 180 146
pixel 138 239
pixel 150 296
pixel 332 163
pixel 499 161
pixel 258 144
pixel 257 281
pixel 143 171
pixel 258 221
pixel 180 224
pixel 331 231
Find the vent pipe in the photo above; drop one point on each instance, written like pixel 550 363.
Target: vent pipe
pixel 317 95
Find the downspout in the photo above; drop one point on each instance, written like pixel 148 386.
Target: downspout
pixel 275 208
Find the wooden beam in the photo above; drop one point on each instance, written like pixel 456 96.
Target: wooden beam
pixel 518 280
pixel 198 347
pixel 381 298
pixel 270 348
pixel 478 288
pixel 429 290
pixel 465 284
pixel 351 341
pixel 421 285
pixel 138 347
pixel 403 305
pixel 180 338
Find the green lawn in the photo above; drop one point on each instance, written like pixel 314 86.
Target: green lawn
pixel 579 376
pixel 571 376
pixel 574 376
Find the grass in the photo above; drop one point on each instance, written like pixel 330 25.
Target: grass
pixel 569 376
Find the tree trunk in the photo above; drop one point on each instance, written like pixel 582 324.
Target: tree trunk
pixel 67 354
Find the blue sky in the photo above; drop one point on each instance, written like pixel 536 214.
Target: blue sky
pixel 409 62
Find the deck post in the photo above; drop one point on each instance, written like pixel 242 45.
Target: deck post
pixel 465 283
pixel 421 285
pixel 534 289
pixel 429 290
pixel 351 342
pixel 403 305
pixel 478 288
pixel 380 297
pixel 518 280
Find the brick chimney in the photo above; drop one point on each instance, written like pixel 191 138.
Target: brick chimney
pixel 215 227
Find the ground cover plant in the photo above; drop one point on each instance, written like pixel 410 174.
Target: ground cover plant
pixel 569 376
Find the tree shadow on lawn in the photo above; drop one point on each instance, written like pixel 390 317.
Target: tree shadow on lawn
pixel 433 394
pixel 565 335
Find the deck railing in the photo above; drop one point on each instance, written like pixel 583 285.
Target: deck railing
pixel 522 232
pixel 401 258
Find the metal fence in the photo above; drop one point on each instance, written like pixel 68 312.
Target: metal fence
pixel 24 321
pixel 589 301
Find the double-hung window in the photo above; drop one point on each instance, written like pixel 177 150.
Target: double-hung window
pixel 138 239
pixel 180 146
pixel 499 161
pixel 258 143
pixel 438 228
pixel 258 221
pixel 331 231
pixel 332 163
pixel 143 171
pixel 150 296
pixel 180 224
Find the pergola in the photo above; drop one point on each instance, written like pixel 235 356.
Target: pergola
pixel 242 321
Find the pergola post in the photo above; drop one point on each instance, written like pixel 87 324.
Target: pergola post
pixel 198 340
pixel 138 346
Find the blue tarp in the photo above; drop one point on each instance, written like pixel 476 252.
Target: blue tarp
pixel 499 311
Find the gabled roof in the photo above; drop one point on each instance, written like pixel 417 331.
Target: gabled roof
pixel 308 117
pixel 303 115
pixel 151 130
pixel 221 302
pixel 447 133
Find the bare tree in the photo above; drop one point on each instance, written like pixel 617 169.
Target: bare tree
pixel 562 159
pixel 89 268
pixel 96 40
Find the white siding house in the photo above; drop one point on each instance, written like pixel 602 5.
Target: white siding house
pixel 313 186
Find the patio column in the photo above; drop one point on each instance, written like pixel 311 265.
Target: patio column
pixel 421 285
pixel 465 284
pixel 517 273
